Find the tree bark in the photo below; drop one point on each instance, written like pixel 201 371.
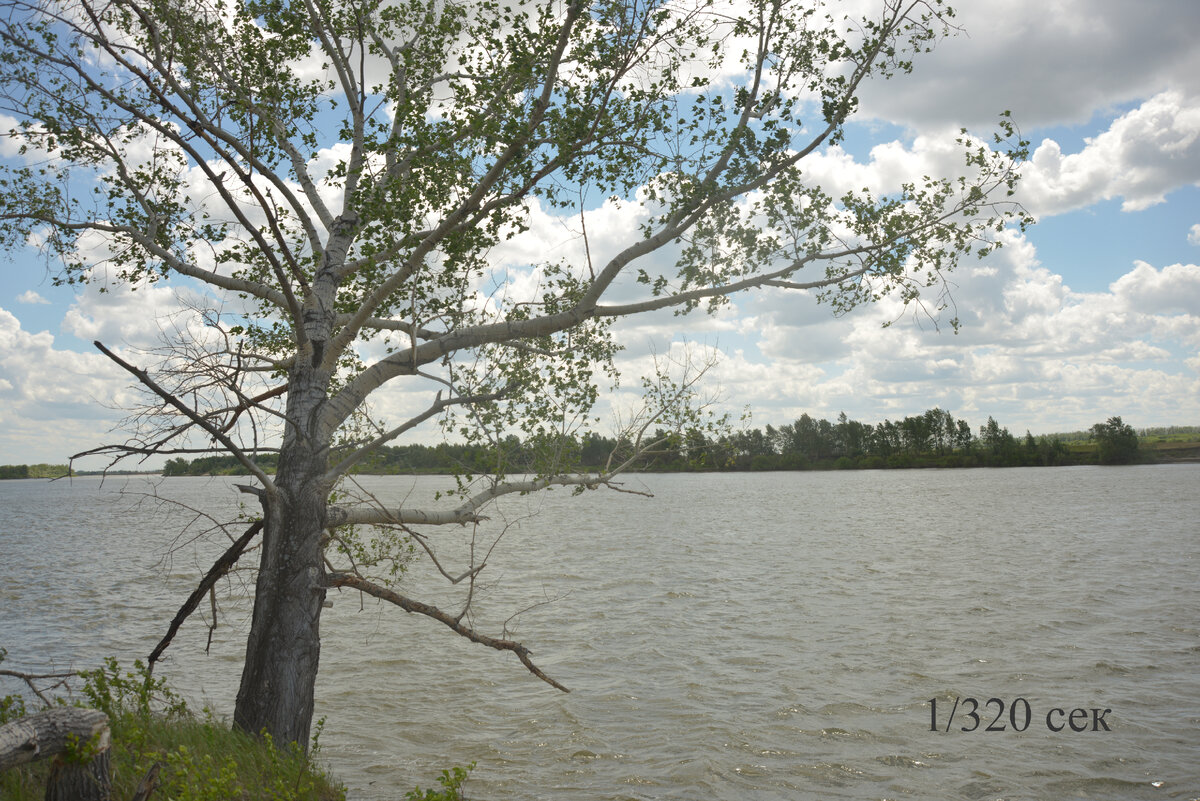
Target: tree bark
pixel 56 732
pixel 284 645
pixel 81 781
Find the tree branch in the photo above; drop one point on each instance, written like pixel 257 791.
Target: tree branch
pixel 435 408
pixel 216 433
pixel 30 678
pixel 409 605
pixel 218 569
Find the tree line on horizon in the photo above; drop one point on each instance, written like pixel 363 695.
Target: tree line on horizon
pixel 934 438
pixel 34 471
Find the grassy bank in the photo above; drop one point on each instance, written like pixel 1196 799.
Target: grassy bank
pixel 194 757
pixel 199 758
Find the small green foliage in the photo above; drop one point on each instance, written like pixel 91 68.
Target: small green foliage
pixel 201 759
pixel 11 706
pixel 115 692
pixel 318 730
pixel 451 780
pixel 199 777
pixel 81 752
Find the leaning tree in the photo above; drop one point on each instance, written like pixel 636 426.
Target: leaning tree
pixel 345 179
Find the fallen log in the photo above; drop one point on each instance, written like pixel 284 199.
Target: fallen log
pixel 78 740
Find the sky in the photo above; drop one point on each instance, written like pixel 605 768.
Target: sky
pixel 1093 312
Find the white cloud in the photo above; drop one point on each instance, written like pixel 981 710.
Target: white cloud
pixel 125 316
pixel 1175 288
pixel 32 298
pixel 138 314
pixel 1033 353
pixel 1194 234
pixel 1144 155
pixel 53 402
pixel 10 143
pixel 890 164
pixel 1050 63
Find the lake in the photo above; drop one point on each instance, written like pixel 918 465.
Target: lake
pixel 737 636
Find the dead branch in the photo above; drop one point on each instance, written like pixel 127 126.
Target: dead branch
pixel 546 602
pixel 178 540
pixel 245 403
pixel 30 678
pixel 409 605
pixel 217 434
pixel 219 568
pixel 148 784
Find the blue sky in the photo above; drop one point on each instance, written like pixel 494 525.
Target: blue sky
pixel 1093 312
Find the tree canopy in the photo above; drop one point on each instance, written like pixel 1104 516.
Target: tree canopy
pixel 339 175
pixel 1117 441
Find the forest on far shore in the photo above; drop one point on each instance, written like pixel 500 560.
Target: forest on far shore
pixel 932 439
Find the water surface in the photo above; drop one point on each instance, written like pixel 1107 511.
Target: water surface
pixel 738 636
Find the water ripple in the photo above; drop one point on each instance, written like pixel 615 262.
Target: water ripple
pixel 739 636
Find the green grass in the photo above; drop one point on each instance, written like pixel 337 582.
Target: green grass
pixel 201 758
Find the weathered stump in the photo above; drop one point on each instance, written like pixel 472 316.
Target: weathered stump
pixel 89 780
pixel 77 739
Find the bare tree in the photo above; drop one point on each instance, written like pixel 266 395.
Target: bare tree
pixel 339 173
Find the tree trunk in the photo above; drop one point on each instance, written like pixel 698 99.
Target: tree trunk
pixel 284 645
pixel 81 781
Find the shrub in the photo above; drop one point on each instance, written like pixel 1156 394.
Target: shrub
pixel 200 759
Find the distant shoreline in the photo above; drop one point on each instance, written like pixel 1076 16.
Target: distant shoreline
pixel 1187 452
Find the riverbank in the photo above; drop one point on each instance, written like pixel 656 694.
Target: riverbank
pixel 158 741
